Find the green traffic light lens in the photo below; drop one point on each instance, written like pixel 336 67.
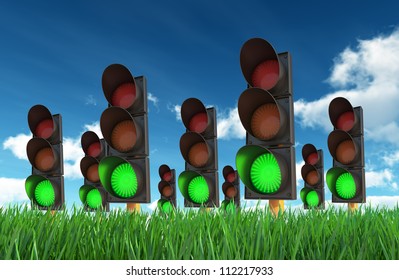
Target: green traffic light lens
pixel 346 186
pixel 266 174
pixel 94 199
pixel 167 207
pixel 44 193
pixel 312 199
pixel 198 190
pixel 124 181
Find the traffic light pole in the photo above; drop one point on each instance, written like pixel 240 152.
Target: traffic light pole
pixel 133 207
pixel 276 206
pixel 353 207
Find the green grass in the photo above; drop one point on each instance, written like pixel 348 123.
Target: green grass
pixel 256 234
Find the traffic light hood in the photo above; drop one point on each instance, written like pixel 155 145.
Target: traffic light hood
pixel 351 181
pixel 198 157
pixel 116 75
pixel 86 165
pixel 90 138
pixel 106 170
pixel 252 99
pixel 343 148
pixel 245 159
pixel 254 52
pixel 184 180
pixel 43 124
pixel 343 116
pixel 42 155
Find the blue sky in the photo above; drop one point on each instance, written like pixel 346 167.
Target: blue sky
pixel 54 54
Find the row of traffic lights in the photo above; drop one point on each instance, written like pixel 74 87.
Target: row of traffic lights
pixel 266 164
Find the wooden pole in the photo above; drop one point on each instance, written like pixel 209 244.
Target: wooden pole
pixel 133 207
pixel 276 206
pixel 353 207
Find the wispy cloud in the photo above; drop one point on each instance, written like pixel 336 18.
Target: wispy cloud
pixel 12 190
pixel 152 98
pixel 90 100
pixel 176 110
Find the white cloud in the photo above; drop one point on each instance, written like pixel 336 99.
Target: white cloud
pixel 382 179
pixel 382 201
pixel 90 100
pixel 391 159
pixel 95 127
pixel 153 99
pixel 175 109
pixel 73 154
pixel 17 145
pixel 299 180
pixel 12 190
pixel 367 77
pixel 229 125
pixel 153 205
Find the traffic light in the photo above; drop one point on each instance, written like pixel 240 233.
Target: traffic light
pixel 124 173
pixel 198 146
pixel 312 195
pixel 346 179
pixel 167 189
pixel 45 187
pixel 266 164
pixel 230 188
pixel 92 193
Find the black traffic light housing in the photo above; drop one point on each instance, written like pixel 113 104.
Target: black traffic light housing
pixel 231 186
pixel 266 111
pixel 346 146
pixel 124 125
pixel 167 188
pixel 312 173
pixel 92 191
pixel 198 146
pixel 45 153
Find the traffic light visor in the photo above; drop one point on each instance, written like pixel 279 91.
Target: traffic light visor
pixel 165 173
pixel 91 144
pixel 259 169
pixel 260 64
pixel 41 122
pixel 342 147
pixel 119 177
pixel 342 115
pixel 342 183
pixel 194 187
pixel 41 190
pixel 229 174
pixel 89 169
pixel 41 154
pixel 260 114
pixel 194 115
pixel 195 149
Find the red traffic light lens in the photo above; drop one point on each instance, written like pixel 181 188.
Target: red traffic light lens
pixel 124 136
pixel 312 178
pixel 231 177
pixel 124 95
pixel 266 74
pixel 346 152
pixel 198 122
pixel 265 122
pixel 167 176
pixel 94 149
pixel 312 159
pixel 346 121
pixel 198 154
pixel 45 129
pixel 44 159
pixel 92 173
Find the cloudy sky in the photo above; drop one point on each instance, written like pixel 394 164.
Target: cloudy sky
pixel 54 54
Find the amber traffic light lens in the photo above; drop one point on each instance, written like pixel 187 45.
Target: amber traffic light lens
pixel 92 173
pixel 266 74
pixel 265 122
pixel 231 192
pixel 312 177
pixel 346 152
pixel 44 159
pixel 167 191
pixel 45 129
pixel 198 155
pixel 124 95
pixel 123 136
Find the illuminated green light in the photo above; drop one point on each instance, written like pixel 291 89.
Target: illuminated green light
pixel 167 207
pixel 124 181
pixel 198 190
pixel 266 174
pixel 346 186
pixel 94 199
pixel 312 199
pixel 44 193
